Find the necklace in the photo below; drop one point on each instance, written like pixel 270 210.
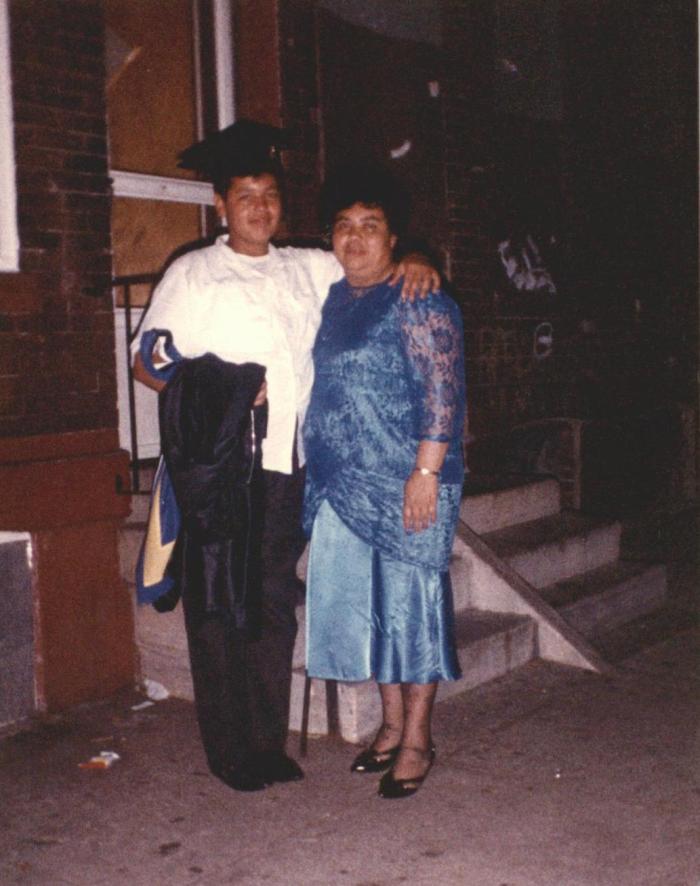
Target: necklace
pixel 357 292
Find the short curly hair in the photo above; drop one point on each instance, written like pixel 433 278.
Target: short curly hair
pixel 371 185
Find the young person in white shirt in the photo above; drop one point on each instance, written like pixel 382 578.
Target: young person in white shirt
pixel 246 300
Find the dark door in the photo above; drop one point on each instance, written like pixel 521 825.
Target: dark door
pixel 380 99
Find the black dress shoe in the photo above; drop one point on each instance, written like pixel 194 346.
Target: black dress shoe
pixel 242 778
pixel 391 788
pixel 276 766
pixel 374 761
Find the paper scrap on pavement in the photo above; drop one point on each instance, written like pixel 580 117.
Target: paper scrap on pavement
pixel 155 691
pixel 102 761
pixel 142 706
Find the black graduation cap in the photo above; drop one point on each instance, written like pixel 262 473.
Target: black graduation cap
pixel 246 147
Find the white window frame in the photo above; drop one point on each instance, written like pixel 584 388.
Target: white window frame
pixel 159 187
pixel 9 235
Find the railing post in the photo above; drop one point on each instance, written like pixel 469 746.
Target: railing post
pixel 125 283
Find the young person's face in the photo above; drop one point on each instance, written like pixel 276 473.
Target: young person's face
pixel 363 244
pixel 252 209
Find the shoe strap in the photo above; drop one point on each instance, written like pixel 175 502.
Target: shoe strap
pixel 424 752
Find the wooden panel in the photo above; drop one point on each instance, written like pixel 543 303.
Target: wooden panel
pixel 151 84
pixel 146 234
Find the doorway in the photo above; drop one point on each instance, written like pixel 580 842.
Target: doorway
pixel 379 81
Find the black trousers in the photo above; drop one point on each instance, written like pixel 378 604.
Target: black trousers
pixel 242 686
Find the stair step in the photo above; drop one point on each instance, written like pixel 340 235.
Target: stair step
pixel 162 646
pixel 610 596
pixel 130 540
pixel 489 645
pixel 630 638
pixel 555 548
pixel 140 505
pixel 299 656
pixel 141 501
pixel 494 502
pixel 170 668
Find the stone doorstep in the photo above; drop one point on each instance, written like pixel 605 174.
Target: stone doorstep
pixel 556 548
pixel 489 645
pixel 492 503
pixel 169 667
pixel 546 551
pixel 489 503
pixel 140 506
pixel 608 597
pixel 160 630
pixel 161 644
pixel 130 540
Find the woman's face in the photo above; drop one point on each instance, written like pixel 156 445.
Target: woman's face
pixel 363 244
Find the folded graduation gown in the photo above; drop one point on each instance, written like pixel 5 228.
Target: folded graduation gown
pixel 211 441
pixel 155 582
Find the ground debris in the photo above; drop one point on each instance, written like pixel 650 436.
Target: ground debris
pixel 103 760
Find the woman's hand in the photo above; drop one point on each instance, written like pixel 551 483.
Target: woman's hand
pixel 261 395
pixel 420 501
pixel 419 276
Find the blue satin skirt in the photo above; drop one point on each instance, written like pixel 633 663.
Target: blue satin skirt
pixel 368 616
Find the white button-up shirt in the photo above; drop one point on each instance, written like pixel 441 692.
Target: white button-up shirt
pixel 242 308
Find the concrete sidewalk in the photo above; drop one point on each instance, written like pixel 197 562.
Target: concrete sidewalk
pixel 547 777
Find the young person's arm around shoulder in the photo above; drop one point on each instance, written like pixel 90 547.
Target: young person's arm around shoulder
pixel 419 276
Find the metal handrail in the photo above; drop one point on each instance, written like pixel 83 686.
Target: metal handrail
pixel 125 282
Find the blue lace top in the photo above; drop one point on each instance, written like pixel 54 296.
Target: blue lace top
pixel 388 374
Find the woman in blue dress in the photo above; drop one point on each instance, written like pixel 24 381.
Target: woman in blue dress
pixel 383 442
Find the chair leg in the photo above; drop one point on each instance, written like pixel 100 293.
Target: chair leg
pixel 332 712
pixel 304 734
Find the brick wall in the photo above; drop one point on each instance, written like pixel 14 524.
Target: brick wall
pixel 466 103
pixel 56 327
pixel 607 176
pixel 300 112
pixel 59 457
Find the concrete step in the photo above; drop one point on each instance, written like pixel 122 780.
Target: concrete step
pixel 628 639
pixel 489 645
pixel 161 642
pixel 555 548
pixel 130 539
pixel 299 657
pixel 140 504
pixel 605 598
pixel 140 501
pixel 491 502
